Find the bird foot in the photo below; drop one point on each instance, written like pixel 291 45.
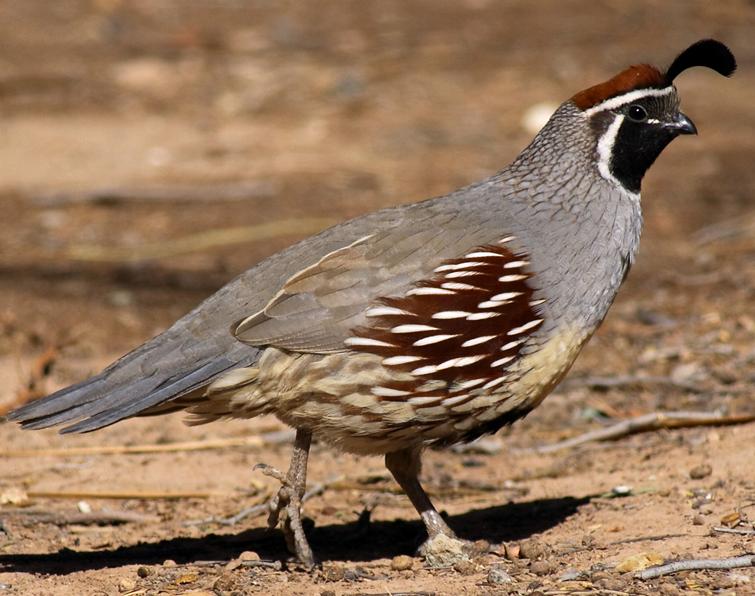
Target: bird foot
pixel 443 550
pixel 285 510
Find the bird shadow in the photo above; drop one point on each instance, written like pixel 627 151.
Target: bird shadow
pixel 356 541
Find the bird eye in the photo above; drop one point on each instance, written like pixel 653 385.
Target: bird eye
pixel 637 113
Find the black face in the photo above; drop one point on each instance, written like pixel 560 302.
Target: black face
pixel 648 125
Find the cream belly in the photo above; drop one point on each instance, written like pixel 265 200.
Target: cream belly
pixel 333 396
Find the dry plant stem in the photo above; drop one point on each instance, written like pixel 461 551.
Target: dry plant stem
pixel 648 422
pixel 274 437
pixel 194 193
pixel 126 494
pixel 289 499
pixel 622 381
pixel 95 517
pixel 739 531
pixel 696 564
pixel 202 241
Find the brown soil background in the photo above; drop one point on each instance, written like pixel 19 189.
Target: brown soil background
pixel 329 110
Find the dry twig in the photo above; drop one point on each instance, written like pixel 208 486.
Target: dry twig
pixel 624 380
pixel 275 437
pixel 187 193
pixel 124 494
pixel 740 531
pixel 645 423
pixel 199 242
pixel 696 564
pixel 104 517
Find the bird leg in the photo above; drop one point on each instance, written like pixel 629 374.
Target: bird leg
pixel 442 546
pixel 286 504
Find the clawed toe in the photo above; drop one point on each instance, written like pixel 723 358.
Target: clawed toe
pixel 285 506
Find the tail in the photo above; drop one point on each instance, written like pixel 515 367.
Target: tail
pixel 188 356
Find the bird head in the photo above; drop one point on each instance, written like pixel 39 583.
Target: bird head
pixel 635 115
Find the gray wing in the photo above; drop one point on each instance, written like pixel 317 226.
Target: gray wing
pixel 304 298
pixel 318 307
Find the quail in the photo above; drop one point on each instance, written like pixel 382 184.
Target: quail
pixel 421 325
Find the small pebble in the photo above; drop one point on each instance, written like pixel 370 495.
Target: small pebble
pixel 698 520
pixel 334 573
pixel 699 472
pixel 465 567
pixel 402 563
pixel 144 572
pixel 249 555
pixel 169 563
pixel 499 575
pixel 126 585
pixel 512 551
pixel 532 550
pixel 541 567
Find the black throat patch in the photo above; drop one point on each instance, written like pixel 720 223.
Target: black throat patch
pixel 635 148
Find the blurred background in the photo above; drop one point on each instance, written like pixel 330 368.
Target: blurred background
pixel 151 150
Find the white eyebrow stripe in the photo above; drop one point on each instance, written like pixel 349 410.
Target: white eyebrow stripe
pixel 620 100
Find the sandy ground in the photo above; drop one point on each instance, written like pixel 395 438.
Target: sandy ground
pixel 132 129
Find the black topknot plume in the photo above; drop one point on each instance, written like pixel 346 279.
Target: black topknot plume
pixel 706 52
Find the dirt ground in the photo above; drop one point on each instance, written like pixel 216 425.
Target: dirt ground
pixel 152 150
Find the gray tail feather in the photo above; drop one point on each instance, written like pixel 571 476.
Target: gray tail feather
pixel 133 384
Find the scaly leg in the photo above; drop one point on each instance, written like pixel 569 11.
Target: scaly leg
pixel 442 546
pixel 288 500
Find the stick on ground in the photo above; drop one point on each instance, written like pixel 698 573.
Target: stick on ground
pixel 648 422
pixel 696 564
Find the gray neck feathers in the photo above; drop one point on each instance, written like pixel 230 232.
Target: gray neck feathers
pixel 556 184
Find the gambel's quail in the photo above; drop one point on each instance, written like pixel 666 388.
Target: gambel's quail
pixel 422 325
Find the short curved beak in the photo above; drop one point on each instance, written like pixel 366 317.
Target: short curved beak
pixel 682 125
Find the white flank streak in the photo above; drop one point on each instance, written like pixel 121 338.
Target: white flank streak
pixel 501 361
pixel 456 266
pixel 425 370
pixel 512 277
pixel 494 382
pixel 478 316
pixel 383 311
pixel 433 339
pixel 396 360
pixel 456 399
pixel 467 360
pixel 388 392
pixel 428 292
pixel 493 303
pixel 477 340
pixel 412 328
pixel 471 383
pixel 450 314
pixel 516 264
pixel 506 296
pixel 366 341
pixel 447 364
pixel 457 285
pixel 621 100
pixel 482 255
pixel 506 239
pixel 525 327
pixel 423 401
pixel 537 302
pixel 512 344
pixel 455 274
